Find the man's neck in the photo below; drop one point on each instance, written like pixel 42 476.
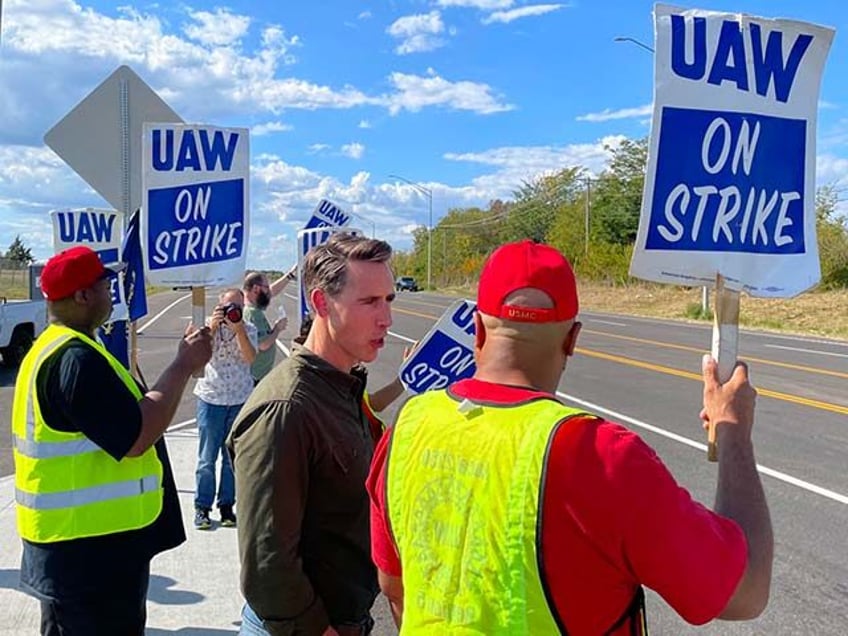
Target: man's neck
pixel 88 330
pixel 500 371
pixel 321 344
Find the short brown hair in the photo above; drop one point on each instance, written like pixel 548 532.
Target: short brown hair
pixel 251 279
pixel 231 290
pixel 325 265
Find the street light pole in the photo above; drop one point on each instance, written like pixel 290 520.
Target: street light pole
pixel 586 219
pixel 622 38
pixel 429 193
pixel 367 220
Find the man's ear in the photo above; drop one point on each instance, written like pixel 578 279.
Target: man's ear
pixel 318 298
pixel 479 331
pixel 571 339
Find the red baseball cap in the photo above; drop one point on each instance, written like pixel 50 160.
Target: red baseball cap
pixel 526 264
pixel 74 269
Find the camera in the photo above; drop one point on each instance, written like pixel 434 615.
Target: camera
pixel 232 312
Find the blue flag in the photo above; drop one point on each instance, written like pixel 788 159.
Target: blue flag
pixel 134 291
pixel 115 337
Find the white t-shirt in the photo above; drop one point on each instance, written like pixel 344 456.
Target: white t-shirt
pixel 227 379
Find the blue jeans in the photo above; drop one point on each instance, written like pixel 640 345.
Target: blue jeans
pixel 251 624
pixel 213 425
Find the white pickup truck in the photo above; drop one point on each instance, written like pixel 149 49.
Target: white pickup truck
pixel 21 321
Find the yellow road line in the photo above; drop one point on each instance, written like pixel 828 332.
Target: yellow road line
pixel 404 299
pixel 397 309
pixel 786 397
pixel 667 345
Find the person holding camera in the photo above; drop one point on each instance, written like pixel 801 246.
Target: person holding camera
pixel 224 387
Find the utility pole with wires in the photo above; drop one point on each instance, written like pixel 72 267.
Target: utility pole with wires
pixel 705 291
pixel 429 194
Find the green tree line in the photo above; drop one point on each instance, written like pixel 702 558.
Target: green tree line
pixel 593 220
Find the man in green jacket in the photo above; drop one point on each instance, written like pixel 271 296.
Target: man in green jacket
pixel 301 448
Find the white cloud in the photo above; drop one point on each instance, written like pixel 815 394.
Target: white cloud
pixel 353 150
pixel 624 113
pixel 831 169
pixel 415 92
pixel 506 17
pixel 46 61
pixel 270 127
pixel 283 195
pixel 484 5
pixel 364 15
pixel 316 148
pixel 517 164
pixel 34 181
pixel 417 33
pixel 364 123
pixel 221 28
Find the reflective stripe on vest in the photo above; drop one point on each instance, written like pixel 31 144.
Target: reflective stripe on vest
pixel 463 490
pixel 103 496
pixel 82 496
pixel 38 450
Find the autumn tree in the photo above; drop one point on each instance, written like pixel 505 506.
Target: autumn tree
pixel 616 196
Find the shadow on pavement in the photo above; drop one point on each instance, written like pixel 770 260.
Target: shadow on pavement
pixel 188 631
pixel 9 579
pixel 159 592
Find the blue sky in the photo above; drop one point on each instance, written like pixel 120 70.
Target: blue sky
pixel 467 97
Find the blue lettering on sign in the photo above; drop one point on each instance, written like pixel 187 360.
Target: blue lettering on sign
pixel 194 224
pixel 188 157
pixel 729 182
pixel 333 214
pixel 729 60
pixel 440 362
pixel 463 318
pixel 83 227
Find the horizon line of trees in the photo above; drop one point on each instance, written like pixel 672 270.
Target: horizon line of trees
pixel 593 220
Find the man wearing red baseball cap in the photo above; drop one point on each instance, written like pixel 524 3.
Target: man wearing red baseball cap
pixel 93 485
pixel 497 509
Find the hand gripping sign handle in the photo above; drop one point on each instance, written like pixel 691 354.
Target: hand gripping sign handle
pixel 725 341
pixel 198 315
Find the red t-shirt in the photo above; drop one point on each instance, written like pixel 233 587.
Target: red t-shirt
pixel 613 519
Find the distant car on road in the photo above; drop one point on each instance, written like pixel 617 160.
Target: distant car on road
pixel 406 283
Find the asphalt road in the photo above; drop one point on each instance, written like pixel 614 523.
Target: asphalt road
pixel 646 374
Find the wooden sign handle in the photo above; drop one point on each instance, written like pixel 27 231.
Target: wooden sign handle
pixel 198 314
pixel 725 345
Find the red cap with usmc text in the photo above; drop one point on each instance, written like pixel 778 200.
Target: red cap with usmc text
pixel 526 264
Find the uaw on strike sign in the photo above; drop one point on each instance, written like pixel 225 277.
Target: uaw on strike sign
pixel 730 186
pixel 102 231
pixel 326 215
pixel 195 205
pixel 446 354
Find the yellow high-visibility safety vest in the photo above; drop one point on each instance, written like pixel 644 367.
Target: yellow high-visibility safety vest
pixel 67 487
pixel 463 491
